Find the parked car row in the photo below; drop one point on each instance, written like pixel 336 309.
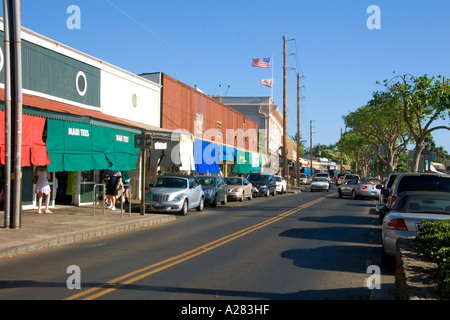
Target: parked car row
pixel 179 193
pixel 404 201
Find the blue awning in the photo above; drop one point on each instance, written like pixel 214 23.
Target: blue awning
pixel 226 153
pixel 206 157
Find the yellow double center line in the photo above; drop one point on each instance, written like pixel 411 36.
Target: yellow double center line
pixel 134 276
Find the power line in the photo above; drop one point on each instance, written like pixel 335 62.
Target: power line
pixel 242 27
pixel 163 40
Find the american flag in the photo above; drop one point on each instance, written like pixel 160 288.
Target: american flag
pixel 261 62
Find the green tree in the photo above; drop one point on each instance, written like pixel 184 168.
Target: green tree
pixel 424 100
pixel 380 123
pixel 354 143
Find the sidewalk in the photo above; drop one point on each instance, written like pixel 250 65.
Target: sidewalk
pixel 69 224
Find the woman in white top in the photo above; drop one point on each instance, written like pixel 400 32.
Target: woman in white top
pixel 42 187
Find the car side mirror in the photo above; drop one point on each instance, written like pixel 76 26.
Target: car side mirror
pixel 385 192
pixel 383 208
pixel 379 186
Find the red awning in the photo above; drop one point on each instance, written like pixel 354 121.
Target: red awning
pixel 34 150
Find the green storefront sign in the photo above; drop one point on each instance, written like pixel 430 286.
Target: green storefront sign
pixel 75 146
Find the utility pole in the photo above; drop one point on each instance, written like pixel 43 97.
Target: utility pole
pixel 13 100
pixel 310 147
pixel 297 160
pixel 342 158
pixel 285 172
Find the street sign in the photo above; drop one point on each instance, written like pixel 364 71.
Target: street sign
pixel 142 141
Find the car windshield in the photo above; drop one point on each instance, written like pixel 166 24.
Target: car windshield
pixel 233 181
pixel 320 179
pixel 258 177
pixel 207 182
pixel 171 183
pixel 422 204
pixel 278 179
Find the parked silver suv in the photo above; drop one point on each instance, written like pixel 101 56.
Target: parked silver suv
pixel 175 193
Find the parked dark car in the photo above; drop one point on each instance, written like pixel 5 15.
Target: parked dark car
pixel 215 190
pixel 264 182
pixel 384 192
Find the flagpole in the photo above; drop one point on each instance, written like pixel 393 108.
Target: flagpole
pixel 273 81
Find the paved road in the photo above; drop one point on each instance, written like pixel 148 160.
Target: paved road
pixel 295 246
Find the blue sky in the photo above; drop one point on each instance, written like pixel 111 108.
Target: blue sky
pixel 210 44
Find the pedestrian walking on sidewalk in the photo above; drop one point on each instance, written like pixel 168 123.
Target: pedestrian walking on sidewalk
pixel 41 176
pixel 112 189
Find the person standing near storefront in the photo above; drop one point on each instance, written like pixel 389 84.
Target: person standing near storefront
pixel 126 185
pixel 41 177
pixel 112 189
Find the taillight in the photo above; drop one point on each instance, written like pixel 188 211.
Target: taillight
pixel 396 224
pixel 392 199
pixel 363 187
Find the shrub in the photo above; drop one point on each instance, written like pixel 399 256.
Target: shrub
pixel 434 244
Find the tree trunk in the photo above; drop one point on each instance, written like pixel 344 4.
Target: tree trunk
pixel 416 156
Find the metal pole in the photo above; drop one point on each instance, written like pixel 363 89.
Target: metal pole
pixel 17 186
pixel 285 171
pixel 298 130
pixel 310 147
pixel 7 99
pixel 143 167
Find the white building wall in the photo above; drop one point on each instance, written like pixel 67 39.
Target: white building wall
pixel 130 97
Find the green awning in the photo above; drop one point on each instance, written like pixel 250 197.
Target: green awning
pixel 243 164
pixel 247 162
pixel 75 146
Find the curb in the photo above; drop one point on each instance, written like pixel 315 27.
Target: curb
pixel 81 235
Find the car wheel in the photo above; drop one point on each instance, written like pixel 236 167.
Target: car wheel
pixel 214 203
pixel 200 206
pixel 250 196
pixel 224 201
pixel 267 193
pixel 242 197
pixel 184 208
pixel 354 195
pixel 339 193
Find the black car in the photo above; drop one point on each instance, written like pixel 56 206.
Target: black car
pixel 264 182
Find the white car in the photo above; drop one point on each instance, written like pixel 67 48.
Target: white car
pixel 281 184
pixel 321 184
pixel 303 178
pixel 323 175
